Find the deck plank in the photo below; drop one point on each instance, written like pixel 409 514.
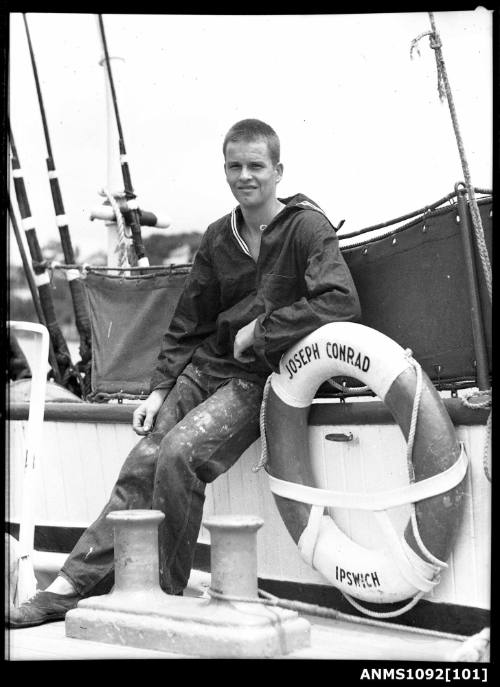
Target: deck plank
pixel 339 640
pixel 330 640
pixel 49 643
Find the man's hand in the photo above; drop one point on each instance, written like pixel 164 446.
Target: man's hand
pixel 243 340
pixel 145 414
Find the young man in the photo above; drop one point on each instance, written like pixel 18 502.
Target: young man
pixel 265 275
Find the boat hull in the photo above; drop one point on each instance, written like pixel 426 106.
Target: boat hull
pixel 84 446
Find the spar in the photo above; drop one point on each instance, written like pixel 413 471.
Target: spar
pixel 66 374
pixel 132 216
pixel 33 290
pixel 73 276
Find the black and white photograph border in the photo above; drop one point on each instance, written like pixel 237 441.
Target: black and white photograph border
pixel 354 522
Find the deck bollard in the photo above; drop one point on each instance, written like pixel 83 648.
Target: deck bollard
pixel 136 549
pixel 233 554
pixel 138 613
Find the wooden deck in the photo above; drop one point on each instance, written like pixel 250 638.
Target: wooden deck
pixel 329 640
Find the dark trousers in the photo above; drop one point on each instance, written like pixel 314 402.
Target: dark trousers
pixel 202 428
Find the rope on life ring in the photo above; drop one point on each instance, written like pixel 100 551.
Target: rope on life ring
pixel 407 566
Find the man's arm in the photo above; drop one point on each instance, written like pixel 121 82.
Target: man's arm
pixel 145 414
pixel 243 341
pixel 331 297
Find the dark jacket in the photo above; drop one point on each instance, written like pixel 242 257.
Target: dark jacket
pixel 299 283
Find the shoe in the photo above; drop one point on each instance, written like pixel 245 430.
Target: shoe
pixel 44 607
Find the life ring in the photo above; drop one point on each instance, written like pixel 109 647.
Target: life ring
pixel 406 566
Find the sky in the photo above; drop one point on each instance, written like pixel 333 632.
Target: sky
pixel 363 132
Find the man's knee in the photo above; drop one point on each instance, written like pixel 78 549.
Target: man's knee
pixel 184 456
pixel 141 461
pixel 175 452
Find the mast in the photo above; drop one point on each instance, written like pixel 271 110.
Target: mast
pixel 117 247
pixel 72 275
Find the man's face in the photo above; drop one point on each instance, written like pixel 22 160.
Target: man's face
pixel 250 173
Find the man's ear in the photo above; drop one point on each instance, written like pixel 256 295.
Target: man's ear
pixel 279 172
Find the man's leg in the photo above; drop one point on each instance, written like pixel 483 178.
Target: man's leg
pixel 90 566
pixel 204 444
pixel 231 423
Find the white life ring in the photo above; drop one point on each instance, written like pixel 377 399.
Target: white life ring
pixel 407 565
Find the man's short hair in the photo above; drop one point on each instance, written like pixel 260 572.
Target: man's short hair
pixel 251 130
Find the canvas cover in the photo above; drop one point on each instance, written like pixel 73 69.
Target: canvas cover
pixel 129 316
pixel 412 286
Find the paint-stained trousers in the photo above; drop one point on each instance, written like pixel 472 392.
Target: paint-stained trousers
pixel 202 428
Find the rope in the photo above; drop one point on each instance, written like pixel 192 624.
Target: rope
pixel 239 599
pixel 51 266
pixel 85 268
pixel 392 232
pixel 349 389
pixel 409 459
pixel 324 612
pixel 262 418
pixel 414 413
pixel 120 222
pixel 475 649
pixel 384 614
pixel 431 210
pixel 427 209
pixel 486 403
pixel 409 454
pixel 103 397
pixel 487 450
pixel 262 422
pixel 479 404
pixel 445 90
